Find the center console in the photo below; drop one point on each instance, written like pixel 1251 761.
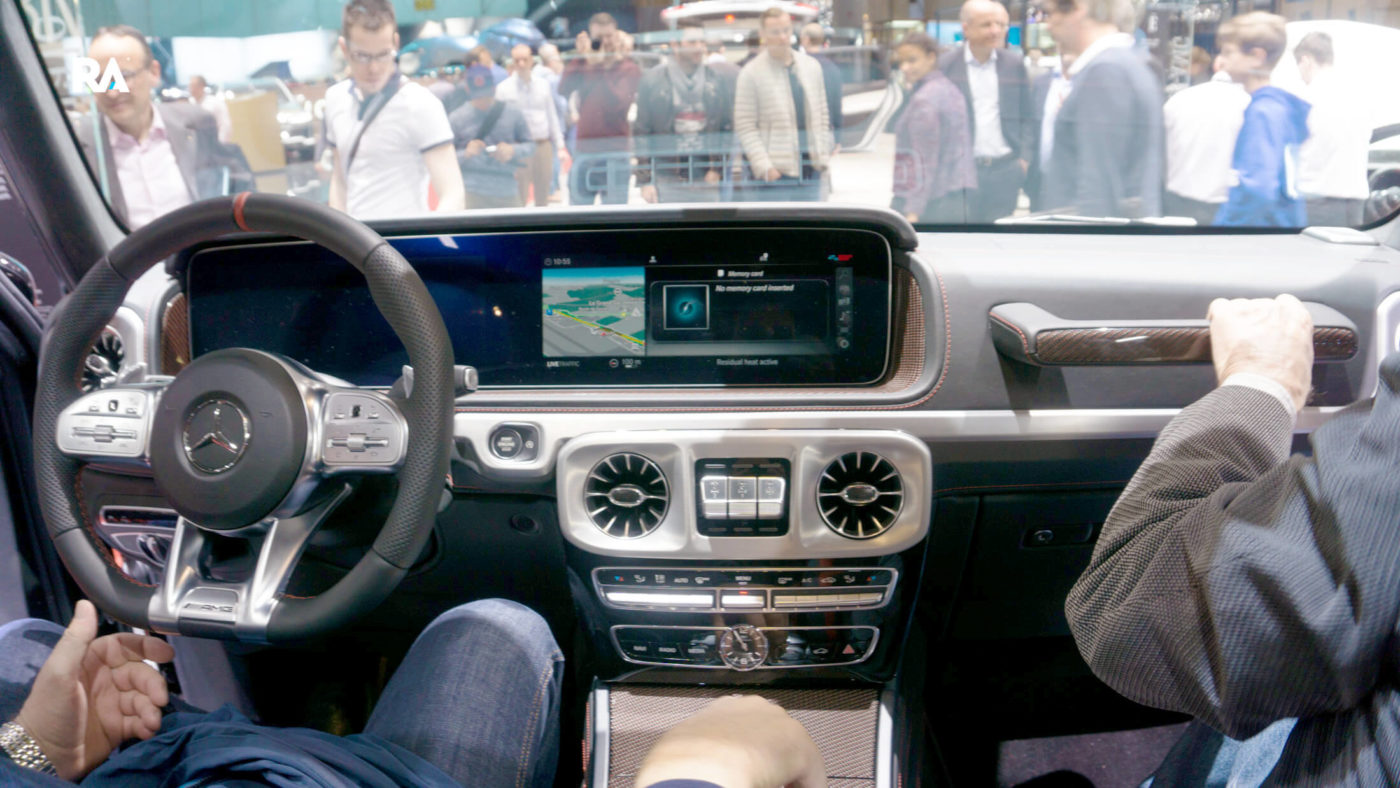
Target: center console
pixel 735 552
pixel 777 562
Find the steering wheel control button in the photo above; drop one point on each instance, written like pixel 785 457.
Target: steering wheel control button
pixel 515 442
pixel 361 433
pixel 106 425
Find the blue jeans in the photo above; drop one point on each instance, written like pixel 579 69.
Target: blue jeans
pixel 477 696
pixel 606 174
pixel 1210 759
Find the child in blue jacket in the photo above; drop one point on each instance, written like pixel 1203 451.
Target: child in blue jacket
pixel 1275 125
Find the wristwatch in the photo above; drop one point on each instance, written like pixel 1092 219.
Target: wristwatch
pixel 23 750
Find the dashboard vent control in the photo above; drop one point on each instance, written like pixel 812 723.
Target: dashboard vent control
pixel 860 495
pixel 626 495
pixel 104 361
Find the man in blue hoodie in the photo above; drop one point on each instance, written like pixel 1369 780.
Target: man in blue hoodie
pixel 1265 193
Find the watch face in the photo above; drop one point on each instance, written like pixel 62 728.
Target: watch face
pixel 743 647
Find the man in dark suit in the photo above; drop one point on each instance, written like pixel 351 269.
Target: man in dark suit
pixel 154 157
pixel 1258 591
pixel 994 81
pixel 1109 154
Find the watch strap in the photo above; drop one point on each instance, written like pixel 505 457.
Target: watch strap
pixel 23 750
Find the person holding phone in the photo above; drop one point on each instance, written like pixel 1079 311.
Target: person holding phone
pixel 606 83
pixel 493 144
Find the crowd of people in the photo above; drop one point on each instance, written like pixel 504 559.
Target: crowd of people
pixel 983 131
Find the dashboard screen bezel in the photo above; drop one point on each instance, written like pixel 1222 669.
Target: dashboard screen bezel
pixel 869 359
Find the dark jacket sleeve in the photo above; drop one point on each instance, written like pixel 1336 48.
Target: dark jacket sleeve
pixel 1025 132
pixel 649 121
pixel 831 75
pixel 1242 586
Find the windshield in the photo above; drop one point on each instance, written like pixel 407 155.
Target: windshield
pixel 1076 112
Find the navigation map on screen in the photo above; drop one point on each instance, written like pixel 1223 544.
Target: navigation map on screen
pixel 594 311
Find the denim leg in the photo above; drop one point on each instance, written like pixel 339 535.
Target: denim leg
pixel 24 645
pixel 478 696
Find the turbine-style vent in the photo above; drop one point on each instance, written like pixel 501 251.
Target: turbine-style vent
pixel 860 495
pixel 103 362
pixel 626 495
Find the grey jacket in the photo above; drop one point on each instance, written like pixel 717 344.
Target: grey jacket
pixel 210 168
pixel 1109 157
pixel 1240 585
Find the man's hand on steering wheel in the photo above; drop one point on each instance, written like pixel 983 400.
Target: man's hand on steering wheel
pixel 92 695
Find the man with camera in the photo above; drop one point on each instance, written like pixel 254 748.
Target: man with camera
pixel 606 83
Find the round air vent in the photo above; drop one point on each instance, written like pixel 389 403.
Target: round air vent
pixel 104 361
pixel 626 495
pixel 860 495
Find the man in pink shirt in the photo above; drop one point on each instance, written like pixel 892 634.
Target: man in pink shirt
pixel 149 158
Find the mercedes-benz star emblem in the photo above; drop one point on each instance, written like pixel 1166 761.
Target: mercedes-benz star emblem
pixel 216 435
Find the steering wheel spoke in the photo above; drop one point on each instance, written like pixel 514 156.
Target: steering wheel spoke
pixel 191 602
pixel 110 425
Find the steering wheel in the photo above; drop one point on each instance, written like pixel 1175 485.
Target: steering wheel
pixel 245 445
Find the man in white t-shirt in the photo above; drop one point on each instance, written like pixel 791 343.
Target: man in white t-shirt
pixel 1332 162
pixel 1202 124
pixel 390 135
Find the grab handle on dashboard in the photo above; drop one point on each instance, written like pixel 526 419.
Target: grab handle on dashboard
pixel 1029 334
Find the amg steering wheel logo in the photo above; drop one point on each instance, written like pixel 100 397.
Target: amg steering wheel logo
pixel 216 435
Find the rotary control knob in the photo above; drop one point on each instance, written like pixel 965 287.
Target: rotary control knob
pixel 743 647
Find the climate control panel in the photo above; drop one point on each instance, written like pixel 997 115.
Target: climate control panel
pixel 764 589
pixel 745 647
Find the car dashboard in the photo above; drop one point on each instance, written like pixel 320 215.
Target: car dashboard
pixel 759 447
